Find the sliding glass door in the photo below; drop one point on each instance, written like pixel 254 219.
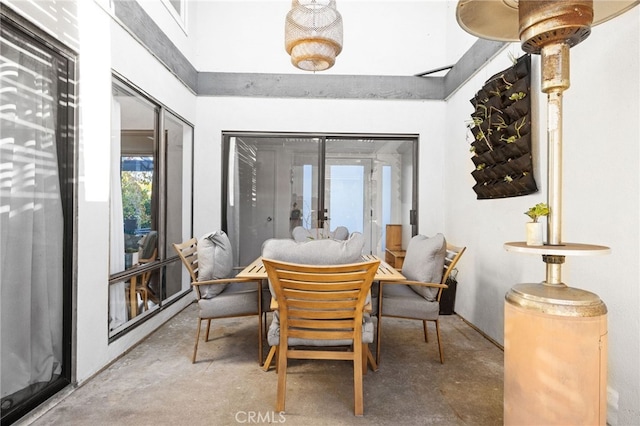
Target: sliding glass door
pixel 273 184
pixel 37 158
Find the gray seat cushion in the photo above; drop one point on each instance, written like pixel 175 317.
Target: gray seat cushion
pixel 402 301
pixel 215 261
pixel 273 335
pixel 424 261
pixel 236 299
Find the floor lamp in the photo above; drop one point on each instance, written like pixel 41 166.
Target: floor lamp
pixel 555 335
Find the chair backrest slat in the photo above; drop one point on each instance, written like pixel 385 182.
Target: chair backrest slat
pixel 321 302
pixel 188 252
pixel 452 257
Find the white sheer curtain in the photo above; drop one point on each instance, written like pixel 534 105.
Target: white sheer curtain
pixel 117 305
pixel 31 220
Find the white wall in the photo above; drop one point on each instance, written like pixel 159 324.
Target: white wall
pixel 216 115
pixel 134 63
pixel 601 200
pixel 82 25
pixel 180 31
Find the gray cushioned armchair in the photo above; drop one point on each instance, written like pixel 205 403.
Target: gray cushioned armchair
pixel 209 262
pixel 427 265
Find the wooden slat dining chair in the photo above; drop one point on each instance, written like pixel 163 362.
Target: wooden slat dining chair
pixel 222 297
pixel 148 253
pixel 321 308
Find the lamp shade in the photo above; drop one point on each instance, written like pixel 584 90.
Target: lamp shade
pixel 499 19
pixel 313 34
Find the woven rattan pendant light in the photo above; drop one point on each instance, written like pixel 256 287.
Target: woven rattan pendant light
pixel 313 34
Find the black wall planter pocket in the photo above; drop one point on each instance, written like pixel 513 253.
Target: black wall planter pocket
pixel 502 126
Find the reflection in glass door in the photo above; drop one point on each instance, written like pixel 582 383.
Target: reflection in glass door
pixel 347 198
pixel 271 187
pixel 273 182
pixel 371 184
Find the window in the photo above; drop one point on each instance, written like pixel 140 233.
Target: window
pixel 150 205
pixel 178 9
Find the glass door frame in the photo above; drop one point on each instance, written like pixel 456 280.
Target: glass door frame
pixel 411 221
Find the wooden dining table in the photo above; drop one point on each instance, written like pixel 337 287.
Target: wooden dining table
pixel 386 272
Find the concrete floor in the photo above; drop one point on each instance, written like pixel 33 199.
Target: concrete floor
pixel 156 384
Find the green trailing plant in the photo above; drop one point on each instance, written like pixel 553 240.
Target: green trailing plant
pixel 507 83
pixel 484 110
pixel 481 166
pixel 519 125
pixel 537 211
pixel 512 56
pixel 517 96
pixel 500 123
pixel 474 122
pixel 482 136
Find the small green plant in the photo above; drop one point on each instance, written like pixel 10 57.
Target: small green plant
pixel 517 96
pixel 535 212
pixel 507 83
pixel 508 179
pixel 499 123
pixel 476 121
pixel 481 166
pixel 484 109
pixel 518 125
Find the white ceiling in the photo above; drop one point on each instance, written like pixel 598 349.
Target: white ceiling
pixel 394 38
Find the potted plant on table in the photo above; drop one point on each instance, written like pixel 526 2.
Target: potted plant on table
pixel 534 228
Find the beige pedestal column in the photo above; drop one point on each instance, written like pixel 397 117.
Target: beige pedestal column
pixel 555 357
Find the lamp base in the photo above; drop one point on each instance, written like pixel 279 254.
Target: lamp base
pixel 555 356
